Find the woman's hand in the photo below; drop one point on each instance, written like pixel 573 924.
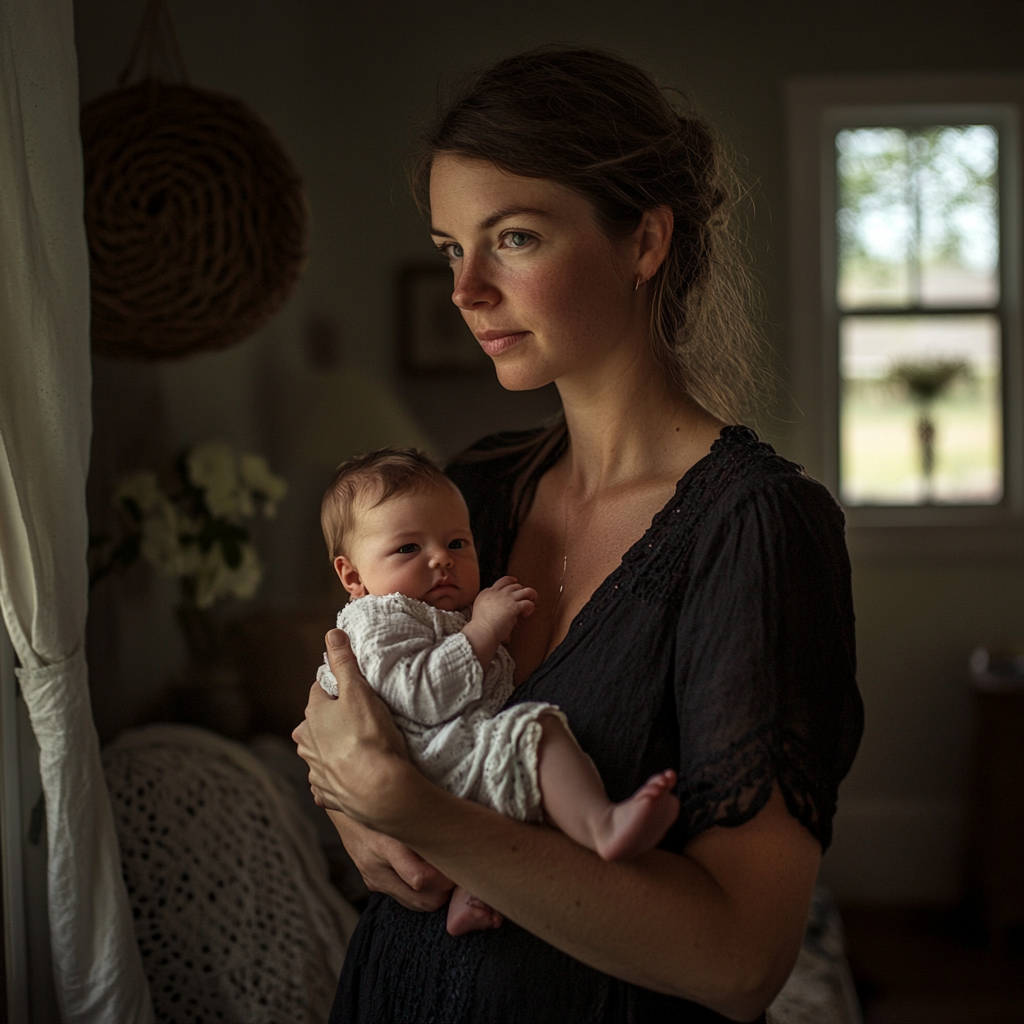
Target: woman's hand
pixel 390 867
pixel 344 741
pixel 356 755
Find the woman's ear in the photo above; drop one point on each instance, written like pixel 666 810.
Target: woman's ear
pixel 653 238
pixel 349 576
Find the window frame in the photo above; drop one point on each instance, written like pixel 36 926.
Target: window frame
pixel 816 110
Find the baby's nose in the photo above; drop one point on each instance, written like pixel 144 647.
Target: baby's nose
pixel 441 558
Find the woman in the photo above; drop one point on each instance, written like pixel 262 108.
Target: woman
pixel 694 602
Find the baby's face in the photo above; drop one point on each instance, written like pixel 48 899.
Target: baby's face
pixel 417 544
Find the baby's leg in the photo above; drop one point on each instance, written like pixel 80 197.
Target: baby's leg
pixel 468 914
pixel 574 799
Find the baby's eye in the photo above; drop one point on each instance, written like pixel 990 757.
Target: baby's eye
pixel 456 544
pixel 408 549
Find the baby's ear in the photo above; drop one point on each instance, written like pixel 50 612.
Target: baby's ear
pixel 349 576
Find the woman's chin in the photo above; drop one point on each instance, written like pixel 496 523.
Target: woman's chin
pixel 520 377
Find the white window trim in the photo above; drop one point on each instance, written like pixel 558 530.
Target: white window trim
pixel 814 109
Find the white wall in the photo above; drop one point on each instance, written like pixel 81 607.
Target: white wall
pixel 346 86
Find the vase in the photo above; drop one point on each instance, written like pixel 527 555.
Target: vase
pixel 209 693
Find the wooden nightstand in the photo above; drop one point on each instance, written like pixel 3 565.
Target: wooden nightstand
pixel 995 838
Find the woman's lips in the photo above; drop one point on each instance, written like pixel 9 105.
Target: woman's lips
pixel 494 343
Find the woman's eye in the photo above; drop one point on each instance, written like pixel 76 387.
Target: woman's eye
pixel 517 239
pixel 451 251
pixel 408 549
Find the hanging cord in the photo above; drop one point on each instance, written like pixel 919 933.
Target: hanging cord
pixel 155 45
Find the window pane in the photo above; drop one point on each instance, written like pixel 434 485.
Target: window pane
pixel 917 216
pixel 875 217
pixel 921 417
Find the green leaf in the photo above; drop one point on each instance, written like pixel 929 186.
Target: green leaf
pixel 232 552
pixel 131 506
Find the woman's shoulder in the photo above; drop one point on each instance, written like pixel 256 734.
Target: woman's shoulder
pixel 739 453
pixel 493 460
pixel 743 470
pixel 743 487
pixel 498 477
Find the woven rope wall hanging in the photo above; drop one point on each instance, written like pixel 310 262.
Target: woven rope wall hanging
pixel 196 216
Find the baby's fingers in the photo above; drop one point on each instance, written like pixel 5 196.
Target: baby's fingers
pixel 504 583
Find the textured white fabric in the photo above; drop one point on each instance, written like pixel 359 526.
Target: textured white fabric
pixel 235 916
pixel 449 710
pixel 44 453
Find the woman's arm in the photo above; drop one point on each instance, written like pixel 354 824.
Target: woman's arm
pixel 720 925
pixel 390 867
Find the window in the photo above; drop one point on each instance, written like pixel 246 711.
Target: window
pixel 906 295
pixel 917 306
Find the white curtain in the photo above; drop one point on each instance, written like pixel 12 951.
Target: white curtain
pixel 45 424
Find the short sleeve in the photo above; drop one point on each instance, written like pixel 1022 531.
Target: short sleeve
pixel 765 660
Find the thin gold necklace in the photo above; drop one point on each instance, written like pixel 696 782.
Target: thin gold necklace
pixel 565 541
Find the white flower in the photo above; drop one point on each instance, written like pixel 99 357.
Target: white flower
pixel 140 489
pixel 161 544
pixel 247 577
pixel 210 577
pixel 233 487
pixel 213 467
pixel 258 478
pixel 216 579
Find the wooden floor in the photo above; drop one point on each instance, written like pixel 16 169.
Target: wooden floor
pixel 932 966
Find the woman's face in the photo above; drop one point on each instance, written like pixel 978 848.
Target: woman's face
pixel 547 294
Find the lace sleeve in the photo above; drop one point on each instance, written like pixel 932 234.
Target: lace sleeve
pixel 766 691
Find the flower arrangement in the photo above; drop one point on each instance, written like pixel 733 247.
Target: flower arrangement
pixel 188 523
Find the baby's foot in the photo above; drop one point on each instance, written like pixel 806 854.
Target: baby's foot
pixel 640 823
pixel 468 914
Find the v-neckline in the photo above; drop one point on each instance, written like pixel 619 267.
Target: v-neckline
pixel 610 583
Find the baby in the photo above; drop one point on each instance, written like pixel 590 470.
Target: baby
pixel 429 642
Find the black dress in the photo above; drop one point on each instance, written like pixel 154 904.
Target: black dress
pixel 722 645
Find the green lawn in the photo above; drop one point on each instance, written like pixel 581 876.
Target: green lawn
pixel 880 451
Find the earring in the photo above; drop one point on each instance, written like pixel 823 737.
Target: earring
pixel 637 285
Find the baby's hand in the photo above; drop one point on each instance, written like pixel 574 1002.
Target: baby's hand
pixel 500 607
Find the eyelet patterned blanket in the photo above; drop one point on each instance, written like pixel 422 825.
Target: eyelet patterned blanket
pixel 820 989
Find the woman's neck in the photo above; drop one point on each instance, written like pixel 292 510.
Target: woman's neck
pixel 631 426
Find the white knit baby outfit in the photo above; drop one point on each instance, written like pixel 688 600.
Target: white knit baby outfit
pixel 449 710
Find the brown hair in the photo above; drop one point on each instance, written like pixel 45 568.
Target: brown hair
pixel 375 477
pixel 602 127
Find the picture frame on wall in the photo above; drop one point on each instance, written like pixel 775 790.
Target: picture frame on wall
pixel 432 336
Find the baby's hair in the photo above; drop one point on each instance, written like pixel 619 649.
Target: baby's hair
pixel 373 477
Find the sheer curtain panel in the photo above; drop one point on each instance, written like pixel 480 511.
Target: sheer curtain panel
pixel 45 423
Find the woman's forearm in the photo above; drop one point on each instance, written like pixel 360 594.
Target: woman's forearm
pixel 720 925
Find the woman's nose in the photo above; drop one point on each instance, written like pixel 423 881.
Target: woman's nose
pixel 473 285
